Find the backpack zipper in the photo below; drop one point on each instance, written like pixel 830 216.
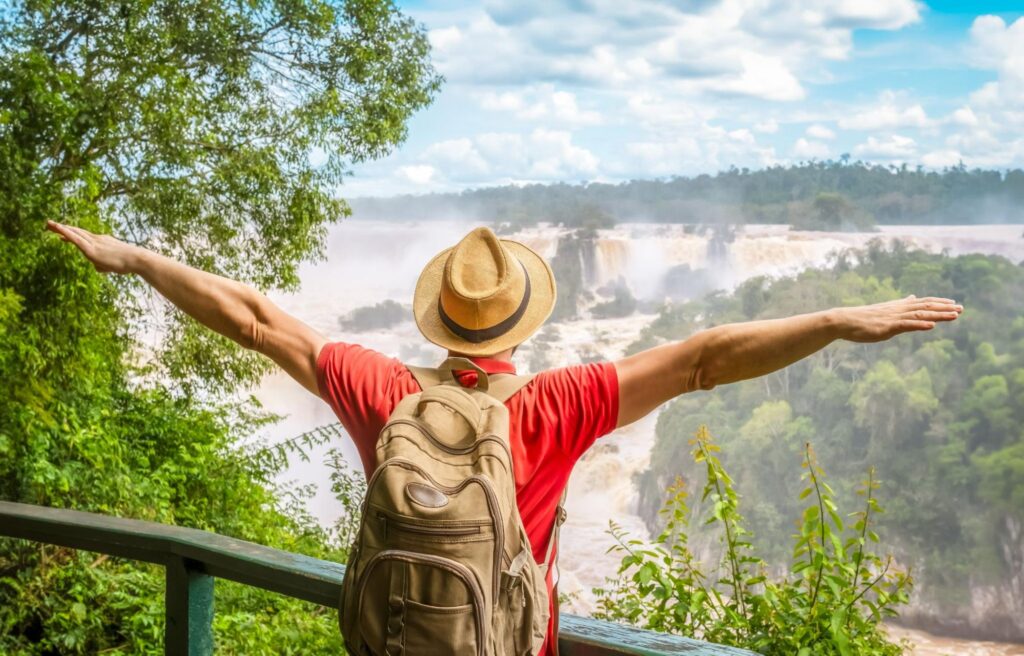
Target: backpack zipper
pixel 428 530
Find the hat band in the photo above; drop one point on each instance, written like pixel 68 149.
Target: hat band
pixel 495 331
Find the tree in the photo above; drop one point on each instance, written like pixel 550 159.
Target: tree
pixel 217 133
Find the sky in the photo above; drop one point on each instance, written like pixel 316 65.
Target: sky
pixel 540 91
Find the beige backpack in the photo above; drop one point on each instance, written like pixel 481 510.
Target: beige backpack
pixel 442 564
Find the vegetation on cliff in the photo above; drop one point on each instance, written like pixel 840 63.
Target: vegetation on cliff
pixel 940 414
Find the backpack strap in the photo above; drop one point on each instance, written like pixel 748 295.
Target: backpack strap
pixel 504 386
pixel 500 386
pixel 560 516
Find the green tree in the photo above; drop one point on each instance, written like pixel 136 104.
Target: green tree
pixel 217 133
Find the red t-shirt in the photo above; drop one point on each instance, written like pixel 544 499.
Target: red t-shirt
pixel 553 421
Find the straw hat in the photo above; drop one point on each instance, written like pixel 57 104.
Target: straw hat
pixel 483 295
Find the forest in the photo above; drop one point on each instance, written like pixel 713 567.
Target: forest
pixel 819 195
pixel 938 414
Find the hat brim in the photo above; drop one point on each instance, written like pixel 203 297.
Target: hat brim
pixel 542 302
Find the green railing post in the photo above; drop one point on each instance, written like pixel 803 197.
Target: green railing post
pixel 188 609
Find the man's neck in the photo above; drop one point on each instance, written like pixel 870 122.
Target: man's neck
pixel 504 356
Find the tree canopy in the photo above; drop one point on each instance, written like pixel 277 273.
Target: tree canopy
pixel 217 133
pixel 939 413
pixel 830 195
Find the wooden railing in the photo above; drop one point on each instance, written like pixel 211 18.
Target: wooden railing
pixel 194 559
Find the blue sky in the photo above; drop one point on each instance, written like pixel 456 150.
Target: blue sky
pixel 611 90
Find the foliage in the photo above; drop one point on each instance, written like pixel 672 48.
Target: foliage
pixel 622 304
pixel 829 211
pixel 817 195
pixel 939 412
pixel 214 132
pixel 831 601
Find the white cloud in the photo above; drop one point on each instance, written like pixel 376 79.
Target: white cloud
pixel 999 47
pixel 873 14
pixel 445 38
pixel 886 115
pixel 762 77
pixel 541 155
pixel 459 154
pixel 771 126
pixel 939 159
pixel 964 116
pixel 543 103
pixel 758 48
pixel 696 150
pixel 659 113
pixel 418 174
pixel 804 149
pixel 894 147
pixel 989 129
pixel 818 131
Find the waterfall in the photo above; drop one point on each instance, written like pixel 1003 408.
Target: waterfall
pixel 612 257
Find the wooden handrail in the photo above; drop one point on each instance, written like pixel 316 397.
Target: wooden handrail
pixel 194 558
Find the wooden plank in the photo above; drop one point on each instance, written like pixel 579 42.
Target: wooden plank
pixel 583 636
pixel 188 610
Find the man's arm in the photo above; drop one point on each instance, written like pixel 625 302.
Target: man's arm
pixel 231 308
pixel 738 351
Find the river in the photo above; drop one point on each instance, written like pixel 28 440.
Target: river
pixel 370 261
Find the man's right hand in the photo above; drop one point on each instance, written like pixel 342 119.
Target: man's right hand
pixel 107 254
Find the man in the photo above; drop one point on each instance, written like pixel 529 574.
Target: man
pixel 480 299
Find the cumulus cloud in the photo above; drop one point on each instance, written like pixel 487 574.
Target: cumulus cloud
pixel 543 103
pixel 697 150
pixel 887 114
pixel 1000 47
pixel 417 174
pixel 818 131
pixel 940 159
pixel 893 147
pixel 989 129
pixel 695 87
pixel 759 48
pixel 964 116
pixel 541 155
pixel 806 149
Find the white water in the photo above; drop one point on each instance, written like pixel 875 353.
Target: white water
pixel 368 262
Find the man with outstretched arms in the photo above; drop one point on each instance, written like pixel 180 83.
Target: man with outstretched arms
pixel 480 299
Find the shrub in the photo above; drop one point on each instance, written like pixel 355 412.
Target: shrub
pixel 831 601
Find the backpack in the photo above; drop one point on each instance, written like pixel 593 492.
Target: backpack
pixel 442 565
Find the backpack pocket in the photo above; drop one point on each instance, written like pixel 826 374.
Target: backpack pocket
pixel 529 607
pixel 414 603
